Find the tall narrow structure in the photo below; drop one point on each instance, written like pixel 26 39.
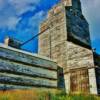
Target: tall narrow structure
pixel 65 38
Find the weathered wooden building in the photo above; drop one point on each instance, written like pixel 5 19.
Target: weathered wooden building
pixel 66 39
pixel 23 70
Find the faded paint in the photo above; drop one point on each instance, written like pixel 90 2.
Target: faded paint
pixel 19 69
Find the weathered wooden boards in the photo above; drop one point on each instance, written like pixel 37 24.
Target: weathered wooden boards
pixel 79 62
pixel 52 43
pixel 67 41
pixel 78 56
pixel 19 69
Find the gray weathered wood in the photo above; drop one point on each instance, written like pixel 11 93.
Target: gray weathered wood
pixel 27 59
pixel 12 67
pixel 9 87
pixel 26 81
pixel 23 70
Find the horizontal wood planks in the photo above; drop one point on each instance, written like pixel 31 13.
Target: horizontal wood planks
pixel 21 70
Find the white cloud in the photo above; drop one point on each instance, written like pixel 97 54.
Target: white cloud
pixel 8 16
pixel 12 22
pixel 32 26
pixel 11 9
pixel 38 16
pixel 36 20
pixel 9 23
pixel 91 9
pixel 22 6
pixel 24 1
pixel 2 2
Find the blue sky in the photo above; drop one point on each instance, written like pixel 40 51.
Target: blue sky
pixel 21 18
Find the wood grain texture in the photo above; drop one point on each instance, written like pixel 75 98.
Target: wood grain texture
pixel 19 70
pixel 26 81
pixel 26 59
pixel 33 71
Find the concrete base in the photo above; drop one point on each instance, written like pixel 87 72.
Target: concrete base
pixel 92 81
pixel 67 82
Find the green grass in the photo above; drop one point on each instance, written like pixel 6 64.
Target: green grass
pixel 63 96
pixel 44 95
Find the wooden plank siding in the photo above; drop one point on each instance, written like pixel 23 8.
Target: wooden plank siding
pixel 19 69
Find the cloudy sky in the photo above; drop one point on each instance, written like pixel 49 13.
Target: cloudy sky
pixel 21 18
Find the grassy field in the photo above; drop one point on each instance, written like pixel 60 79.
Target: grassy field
pixel 43 95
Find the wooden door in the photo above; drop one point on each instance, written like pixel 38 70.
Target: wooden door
pixel 79 81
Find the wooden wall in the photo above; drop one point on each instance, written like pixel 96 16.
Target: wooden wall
pixel 21 70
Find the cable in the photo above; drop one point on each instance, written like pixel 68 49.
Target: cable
pixel 33 37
